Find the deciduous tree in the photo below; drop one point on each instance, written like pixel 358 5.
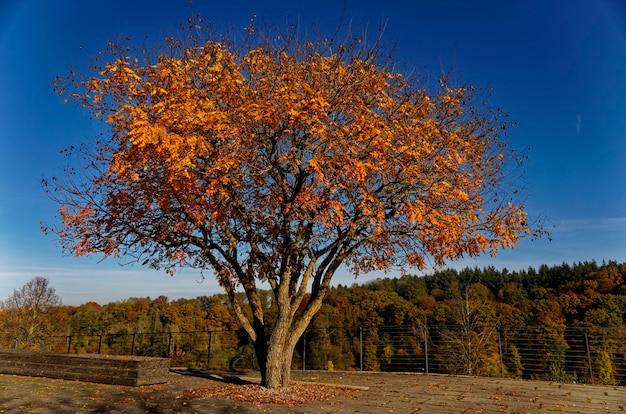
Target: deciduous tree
pixel 278 160
pixel 25 313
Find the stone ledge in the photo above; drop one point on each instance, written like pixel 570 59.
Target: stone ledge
pixel 106 369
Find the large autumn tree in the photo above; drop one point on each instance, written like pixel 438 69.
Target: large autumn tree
pixel 277 160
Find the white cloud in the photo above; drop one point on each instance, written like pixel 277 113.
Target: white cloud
pixel 611 224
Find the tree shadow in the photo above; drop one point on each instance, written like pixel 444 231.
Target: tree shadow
pixel 212 375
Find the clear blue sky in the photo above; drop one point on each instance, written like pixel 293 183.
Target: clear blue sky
pixel 557 67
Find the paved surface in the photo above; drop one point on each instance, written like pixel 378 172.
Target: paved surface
pixel 374 393
pixel 415 393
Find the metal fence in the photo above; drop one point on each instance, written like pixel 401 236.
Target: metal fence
pixel 565 354
pixel 201 349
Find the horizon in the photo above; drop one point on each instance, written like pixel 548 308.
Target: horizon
pixel 355 282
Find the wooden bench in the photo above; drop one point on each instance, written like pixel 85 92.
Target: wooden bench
pixel 106 369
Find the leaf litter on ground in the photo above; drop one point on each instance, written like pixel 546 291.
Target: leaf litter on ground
pixel 295 394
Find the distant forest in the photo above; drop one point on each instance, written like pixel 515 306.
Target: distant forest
pixel 560 323
pixel 582 294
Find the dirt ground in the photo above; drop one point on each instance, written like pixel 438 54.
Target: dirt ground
pixel 366 393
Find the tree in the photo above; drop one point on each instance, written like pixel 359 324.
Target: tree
pixel 278 160
pixel 472 315
pixel 25 312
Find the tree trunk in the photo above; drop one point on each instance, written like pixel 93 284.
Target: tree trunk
pixel 275 356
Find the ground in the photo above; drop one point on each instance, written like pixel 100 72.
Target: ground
pixel 313 392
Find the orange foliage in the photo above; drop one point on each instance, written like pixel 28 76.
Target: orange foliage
pixel 340 144
pixel 283 162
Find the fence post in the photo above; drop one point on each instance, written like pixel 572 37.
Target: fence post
pixel 589 356
pixel 42 341
pixel 361 347
pixel 498 328
pixel 169 344
pixel 304 351
pixel 99 343
pixel 426 347
pixel 69 343
pixel 132 345
pixel 208 355
pixel 17 342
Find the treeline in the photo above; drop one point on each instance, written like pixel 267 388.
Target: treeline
pixel 582 294
pixel 460 312
pixel 557 323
